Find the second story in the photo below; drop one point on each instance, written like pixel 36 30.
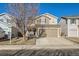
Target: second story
pixel 6 20
pixel 70 20
pixel 46 18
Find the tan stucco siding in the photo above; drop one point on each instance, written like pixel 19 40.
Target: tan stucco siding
pixel 52 32
pixel 49 20
pixel 78 31
pixel 64 27
pixel 53 20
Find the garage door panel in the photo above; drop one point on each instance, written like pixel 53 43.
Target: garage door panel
pixel 51 33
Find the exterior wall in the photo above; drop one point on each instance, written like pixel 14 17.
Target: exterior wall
pixel 4 27
pixel 41 20
pixel 78 31
pixel 14 32
pixel 78 26
pixel 49 20
pixel 50 31
pixel 53 20
pixel 72 29
pixel 2 33
pixel 64 27
pixel 6 24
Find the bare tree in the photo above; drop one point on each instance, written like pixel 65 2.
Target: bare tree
pixel 22 12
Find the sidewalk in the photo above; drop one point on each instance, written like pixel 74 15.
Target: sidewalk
pixel 34 47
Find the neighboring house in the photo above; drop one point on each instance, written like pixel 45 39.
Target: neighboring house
pixel 47 24
pixel 7 24
pixel 46 18
pixel 70 26
pixel 2 33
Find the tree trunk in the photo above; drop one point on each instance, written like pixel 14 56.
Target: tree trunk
pixel 24 37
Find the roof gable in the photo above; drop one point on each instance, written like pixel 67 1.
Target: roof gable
pixel 9 18
pixel 46 15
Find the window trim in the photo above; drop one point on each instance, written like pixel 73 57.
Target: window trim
pixel 73 21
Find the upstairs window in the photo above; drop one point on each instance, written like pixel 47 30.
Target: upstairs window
pixel 73 21
pixel 1 20
pixel 42 21
pixel 46 20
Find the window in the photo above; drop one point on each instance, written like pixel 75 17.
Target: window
pixel 47 21
pixel 72 21
pixel 1 20
pixel 42 21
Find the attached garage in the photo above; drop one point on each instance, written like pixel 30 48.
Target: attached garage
pixel 50 30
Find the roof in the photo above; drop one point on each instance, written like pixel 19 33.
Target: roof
pixel 8 15
pixel 66 17
pixel 9 19
pixel 3 14
pixel 47 14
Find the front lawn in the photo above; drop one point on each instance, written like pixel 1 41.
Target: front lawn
pixel 74 39
pixel 19 41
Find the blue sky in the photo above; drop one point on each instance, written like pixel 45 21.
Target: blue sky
pixel 60 9
pixel 57 9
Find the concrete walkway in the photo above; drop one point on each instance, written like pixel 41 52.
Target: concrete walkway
pixel 53 41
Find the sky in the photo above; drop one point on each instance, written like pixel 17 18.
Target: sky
pixel 57 9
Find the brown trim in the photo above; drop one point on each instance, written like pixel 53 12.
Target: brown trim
pixel 69 17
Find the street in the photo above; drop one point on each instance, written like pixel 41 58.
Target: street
pixel 40 52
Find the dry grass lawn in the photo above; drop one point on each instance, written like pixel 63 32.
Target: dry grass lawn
pixel 18 42
pixel 74 39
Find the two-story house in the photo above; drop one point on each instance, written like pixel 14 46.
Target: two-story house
pixel 2 33
pixel 47 24
pixel 7 24
pixel 70 26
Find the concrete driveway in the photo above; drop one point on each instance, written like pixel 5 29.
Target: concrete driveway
pixel 54 41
